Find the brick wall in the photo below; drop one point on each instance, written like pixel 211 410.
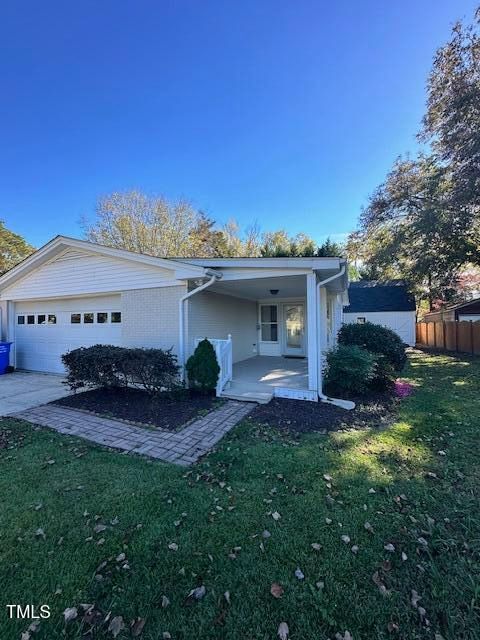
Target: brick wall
pixel 150 317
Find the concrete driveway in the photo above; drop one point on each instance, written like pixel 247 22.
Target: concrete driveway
pixel 26 389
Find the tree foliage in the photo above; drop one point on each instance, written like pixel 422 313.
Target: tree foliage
pixel 423 222
pixel 13 248
pixel 152 225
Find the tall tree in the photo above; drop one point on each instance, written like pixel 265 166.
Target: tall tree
pixel 330 249
pixel 153 225
pixel 279 244
pixel 412 230
pixel 452 120
pixel 13 248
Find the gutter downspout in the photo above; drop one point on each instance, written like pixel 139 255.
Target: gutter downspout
pixel 345 404
pixel 214 276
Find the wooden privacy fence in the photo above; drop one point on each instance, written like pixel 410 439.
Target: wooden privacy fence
pixel 450 335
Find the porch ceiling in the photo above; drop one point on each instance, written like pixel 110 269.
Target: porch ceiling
pixel 259 288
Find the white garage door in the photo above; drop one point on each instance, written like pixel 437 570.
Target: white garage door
pixel 44 330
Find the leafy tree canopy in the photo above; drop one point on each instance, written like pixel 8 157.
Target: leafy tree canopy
pixel 13 248
pixel 423 222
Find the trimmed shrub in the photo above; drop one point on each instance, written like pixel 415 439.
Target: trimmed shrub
pixel 350 368
pixel 384 375
pixel 102 365
pixel 202 367
pixel 376 339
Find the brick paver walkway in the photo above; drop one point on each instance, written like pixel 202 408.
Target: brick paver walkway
pixel 182 447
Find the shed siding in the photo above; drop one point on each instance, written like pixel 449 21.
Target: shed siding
pixel 212 315
pixel 79 273
pixel 402 322
pixel 151 317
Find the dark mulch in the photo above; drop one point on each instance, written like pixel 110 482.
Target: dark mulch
pixel 301 417
pixel 136 406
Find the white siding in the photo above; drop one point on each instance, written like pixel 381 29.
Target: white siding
pixel 212 315
pixel 469 318
pixel 79 272
pixel 402 322
pixel 150 317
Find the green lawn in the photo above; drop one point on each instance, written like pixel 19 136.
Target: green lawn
pixel 227 501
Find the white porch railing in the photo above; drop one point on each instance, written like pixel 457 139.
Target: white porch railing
pixel 223 351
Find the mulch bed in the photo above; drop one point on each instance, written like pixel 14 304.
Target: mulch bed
pixel 136 406
pixel 301 417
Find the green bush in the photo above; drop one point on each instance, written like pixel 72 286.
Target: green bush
pixel 376 339
pixel 202 367
pixel 350 368
pixel 103 365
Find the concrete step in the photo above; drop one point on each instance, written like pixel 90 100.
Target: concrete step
pixel 248 392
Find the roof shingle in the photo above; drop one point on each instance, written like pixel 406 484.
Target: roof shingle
pixel 371 295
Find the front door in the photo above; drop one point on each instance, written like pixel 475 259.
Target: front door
pixel 294 329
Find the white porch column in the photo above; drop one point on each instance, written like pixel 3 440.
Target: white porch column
pixel 312 331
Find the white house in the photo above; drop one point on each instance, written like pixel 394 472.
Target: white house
pixel 270 319
pixel 387 303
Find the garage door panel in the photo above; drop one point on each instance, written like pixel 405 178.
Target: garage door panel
pixel 39 347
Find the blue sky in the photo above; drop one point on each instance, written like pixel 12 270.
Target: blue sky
pixel 285 113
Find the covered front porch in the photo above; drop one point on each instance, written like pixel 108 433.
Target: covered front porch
pixel 269 328
pixel 280 376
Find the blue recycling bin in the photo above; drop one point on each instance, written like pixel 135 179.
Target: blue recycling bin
pixel 4 356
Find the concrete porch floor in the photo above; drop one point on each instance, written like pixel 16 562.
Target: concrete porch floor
pixel 274 371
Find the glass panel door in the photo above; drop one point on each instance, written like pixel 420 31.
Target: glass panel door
pixel 294 318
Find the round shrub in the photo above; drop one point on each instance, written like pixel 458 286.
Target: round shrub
pixel 202 367
pixel 350 368
pixel 376 339
pixel 107 366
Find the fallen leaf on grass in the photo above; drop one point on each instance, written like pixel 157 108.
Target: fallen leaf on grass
pixel 165 602
pixel 136 627
pixel 98 528
pixel 277 590
pixel 378 581
pixel 299 574
pixel 173 546
pixel 276 515
pixel 196 594
pixel 368 527
pixel 389 547
pixel 345 539
pixel 116 625
pixel 316 546
pixel 40 533
pixel 355 549
pixel 282 631
pixel 70 613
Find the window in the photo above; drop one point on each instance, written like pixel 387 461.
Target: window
pixel 88 318
pixel 75 318
pixel 360 320
pixel 102 317
pixel 269 322
pixel 20 319
pixel 52 318
pixel 30 319
pixel 41 318
pixel 116 316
